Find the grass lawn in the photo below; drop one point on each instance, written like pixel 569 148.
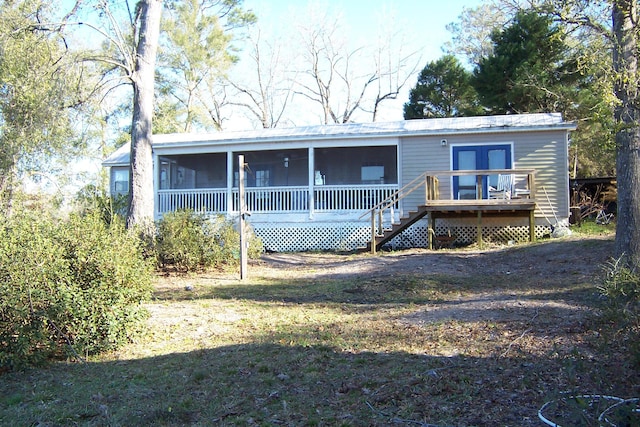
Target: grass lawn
pixel 300 346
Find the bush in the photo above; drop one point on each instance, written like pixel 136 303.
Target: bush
pixel 92 199
pixel 621 287
pixel 71 287
pixel 189 241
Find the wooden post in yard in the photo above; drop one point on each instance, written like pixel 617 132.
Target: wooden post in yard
pixel 373 232
pixel 480 228
pixel 242 209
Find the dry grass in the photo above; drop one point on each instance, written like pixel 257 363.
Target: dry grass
pixel 307 343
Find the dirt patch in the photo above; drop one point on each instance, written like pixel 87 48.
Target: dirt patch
pixel 579 259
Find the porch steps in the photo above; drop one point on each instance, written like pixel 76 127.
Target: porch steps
pixel 405 222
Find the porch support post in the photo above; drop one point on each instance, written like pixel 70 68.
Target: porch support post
pixel 432 229
pixel 156 187
pixel 242 227
pixel 311 196
pixel 532 226
pixel 229 183
pixel 480 229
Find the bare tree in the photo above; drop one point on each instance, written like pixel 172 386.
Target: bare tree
pixel 344 80
pixel 394 68
pixel 267 91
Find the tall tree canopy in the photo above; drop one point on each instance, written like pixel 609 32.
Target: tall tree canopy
pixel 540 62
pixel 40 86
pixel 444 89
pixel 196 52
pixel 529 70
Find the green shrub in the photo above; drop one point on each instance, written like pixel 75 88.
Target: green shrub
pixel 68 288
pixel 621 288
pixel 189 241
pixel 92 200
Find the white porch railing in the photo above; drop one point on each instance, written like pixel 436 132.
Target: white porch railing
pixel 328 198
pixel 351 197
pixel 207 200
pixel 274 199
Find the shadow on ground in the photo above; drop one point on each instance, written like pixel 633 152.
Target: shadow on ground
pixel 272 384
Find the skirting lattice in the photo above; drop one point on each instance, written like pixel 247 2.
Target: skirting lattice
pixel 349 236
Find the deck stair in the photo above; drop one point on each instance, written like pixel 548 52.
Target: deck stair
pixel 397 228
pixel 381 235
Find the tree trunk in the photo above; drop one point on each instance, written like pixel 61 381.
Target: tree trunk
pixel 141 192
pixel 627 115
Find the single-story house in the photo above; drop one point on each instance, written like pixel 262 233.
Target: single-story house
pixel 339 187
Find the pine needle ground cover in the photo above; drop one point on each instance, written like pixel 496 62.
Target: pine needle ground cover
pixel 431 338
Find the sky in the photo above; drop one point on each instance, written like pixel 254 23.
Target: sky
pixel 424 19
pixel 423 23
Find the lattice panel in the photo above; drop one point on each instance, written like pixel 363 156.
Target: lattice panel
pixel 466 233
pixel 296 237
pixel 309 237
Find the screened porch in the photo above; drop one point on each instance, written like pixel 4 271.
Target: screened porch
pixel 279 181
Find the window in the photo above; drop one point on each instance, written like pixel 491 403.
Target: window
pixel 259 178
pixel 120 180
pixel 262 178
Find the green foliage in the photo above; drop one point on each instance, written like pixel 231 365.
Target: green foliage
pixel 541 64
pixel 444 89
pixel 68 288
pixel 41 85
pixel 621 287
pixel 189 72
pixel 528 68
pixel 110 208
pixel 189 241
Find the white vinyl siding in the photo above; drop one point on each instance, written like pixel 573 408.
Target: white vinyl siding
pixel 546 152
pixel 543 151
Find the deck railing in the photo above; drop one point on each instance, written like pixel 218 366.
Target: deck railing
pixel 429 184
pixel 274 199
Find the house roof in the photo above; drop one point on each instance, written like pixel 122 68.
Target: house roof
pixel 438 126
pixel 120 157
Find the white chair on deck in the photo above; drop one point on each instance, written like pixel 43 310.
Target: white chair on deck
pixel 503 188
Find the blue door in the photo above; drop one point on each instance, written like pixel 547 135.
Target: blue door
pixel 478 157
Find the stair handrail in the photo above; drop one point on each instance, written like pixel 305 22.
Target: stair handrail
pixel 391 200
pixel 431 191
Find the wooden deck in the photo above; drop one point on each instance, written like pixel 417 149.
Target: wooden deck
pixel 434 207
pixel 512 208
